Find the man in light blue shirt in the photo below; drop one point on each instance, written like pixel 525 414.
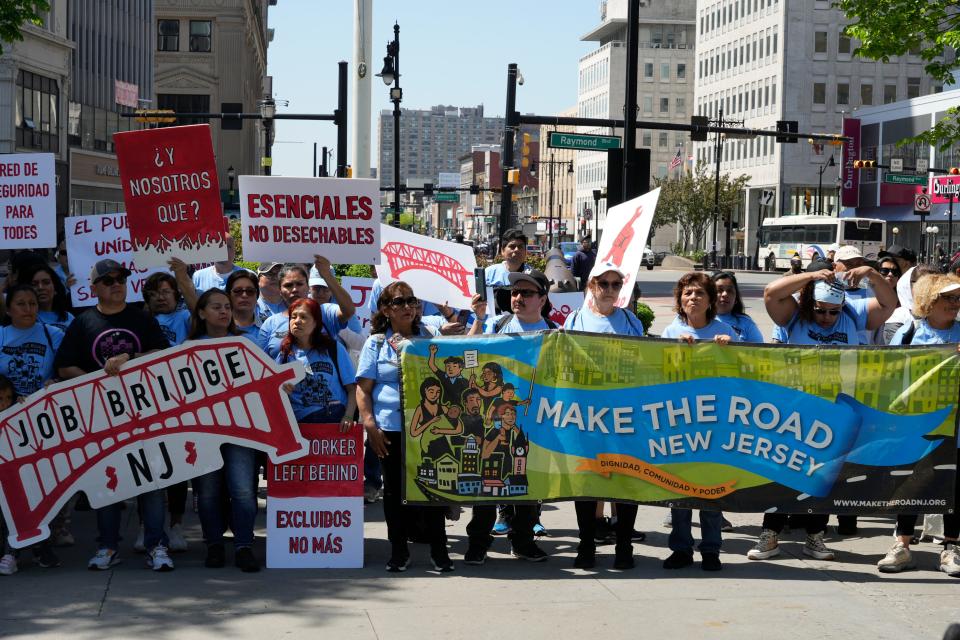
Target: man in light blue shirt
pixel 215 276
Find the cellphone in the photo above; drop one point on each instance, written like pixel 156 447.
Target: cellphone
pixel 480 282
pixel 463 316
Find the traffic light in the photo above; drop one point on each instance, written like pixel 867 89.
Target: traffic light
pixel 475 189
pixel 349 171
pixel 156 116
pixel 787 127
pixel 700 124
pixel 954 171
pixel 864 164
pixel 513 176
pixel 427 189
pixel 525 152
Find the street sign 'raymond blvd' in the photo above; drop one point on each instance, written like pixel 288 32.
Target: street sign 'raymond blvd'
pixel 904 178
pixel 446 196
pixel 559 140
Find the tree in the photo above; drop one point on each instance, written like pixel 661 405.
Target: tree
pixel 688 202
pixel 927 28
pixel 14 13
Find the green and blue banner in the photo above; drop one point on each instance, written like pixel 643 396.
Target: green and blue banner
pixel 565 415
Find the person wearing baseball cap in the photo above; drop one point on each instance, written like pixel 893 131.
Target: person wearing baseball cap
pixel 904 257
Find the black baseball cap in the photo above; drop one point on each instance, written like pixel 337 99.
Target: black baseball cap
pixel 896 251
pixel 106 267
pixel 818 265
pixel 535 278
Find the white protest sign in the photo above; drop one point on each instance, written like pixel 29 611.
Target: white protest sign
pixel 625 234
pixel 563 304
pixel 360 290
pixel 93 238
pixel 295 218
pixel 438 271
pixel 28 201
pixel 161 421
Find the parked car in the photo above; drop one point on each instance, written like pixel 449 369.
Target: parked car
pixel 648 260
pixel 658 257
pixel 534 250
pixel 568 249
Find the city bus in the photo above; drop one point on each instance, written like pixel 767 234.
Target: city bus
pixel 781 237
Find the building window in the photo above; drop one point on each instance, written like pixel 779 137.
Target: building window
pixel 662 140
pixel 913 87
pixel 843 93
pixel 819 93
pixel 866 95
pixel 843 44
pixel 648 70
pixel 647 139
pixel 681 105
pixel 648 104
pixel 664 105
pixel 38 122
pixel 889 93
pixel 168 35
pixel 200 32
pixel 820 42
pixel 681 71
pixel 185 103
pixel 664 71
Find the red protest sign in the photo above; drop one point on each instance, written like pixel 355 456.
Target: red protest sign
pixel 170 188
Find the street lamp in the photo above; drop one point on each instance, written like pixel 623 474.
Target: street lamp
pixel 931 239
pixel 268 109
pixel 821 170
pixel 391 76
pixel 231 175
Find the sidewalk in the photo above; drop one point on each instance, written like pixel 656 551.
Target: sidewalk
pixel 789 596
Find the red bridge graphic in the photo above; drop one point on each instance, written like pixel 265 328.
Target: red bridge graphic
pixel 406 257
pixel 82 434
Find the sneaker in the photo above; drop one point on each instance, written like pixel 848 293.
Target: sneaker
pixel 586 557
pixel 45 557
pixel 898 559
pixel 159 560
pixel 638 536
pixel 62 538
pixel 397 564
pixel 710 561
pixel 603 533
pixel 216 557
pixel 531 553
pixel 539 530
pixel 623 560
pixel 475 555
pixel 678 560
pixel 668 520
pixel 950 559
pixel 815 548
pixel 452 513
pixel 246 561
pixel 104 559
pixel 370 494
pixel 138 546
pixel 441 561
pixel 726 526
pixel 8 565
pixel 768 546
pixel 175 538
pixel 500 528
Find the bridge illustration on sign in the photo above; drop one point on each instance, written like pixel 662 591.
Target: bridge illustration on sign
pixel 403 257
pixel 159 422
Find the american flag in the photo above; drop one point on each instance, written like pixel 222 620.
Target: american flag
pixel 677 159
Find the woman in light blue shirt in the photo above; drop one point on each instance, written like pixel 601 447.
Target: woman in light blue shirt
pixel 730 308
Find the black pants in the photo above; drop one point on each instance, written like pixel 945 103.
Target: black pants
pixel 951 521
pixel 399 515
pixel 521 525
pixel 587 522
pixel 813 522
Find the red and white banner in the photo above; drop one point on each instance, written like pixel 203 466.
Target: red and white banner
pixel 93 238
pixel 850 186
pixel 28 201
pixel 360 290
pixel 942 186
pixel 126 94
pixel 170 188
pixel 159 422
pixel 625 234
pixel 295 218
pixel 438 271
pixel 315 503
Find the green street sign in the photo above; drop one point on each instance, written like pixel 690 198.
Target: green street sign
pixel 444 196
pixel 559 140
pixel 904 178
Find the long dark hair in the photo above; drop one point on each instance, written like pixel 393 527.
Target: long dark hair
pixel 738 302
pixel 702 280
pixel 379 323
pixel 61 301
pixel 319 339
pixel 14 290
pixel 198 326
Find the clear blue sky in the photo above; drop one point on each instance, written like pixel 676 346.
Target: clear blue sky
pixel 451 52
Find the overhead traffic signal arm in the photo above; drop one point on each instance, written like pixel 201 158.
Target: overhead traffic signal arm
pixel 869 165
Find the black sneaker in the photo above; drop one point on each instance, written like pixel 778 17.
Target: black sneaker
pixel 441 561
pixel 46 558
pixel 398 564
pixel 586 557
pixel 475 555
pixel 603 532
pixel 623 559
pixel 530 552
pixel 638 536
pixel 678 560
pixel 710 562
pixel 216 557
pixel 246 561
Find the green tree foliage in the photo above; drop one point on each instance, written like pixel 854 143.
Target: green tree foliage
pixel 928 28
pixel 13 15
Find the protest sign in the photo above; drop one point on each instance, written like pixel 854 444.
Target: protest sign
pixel 315 502
pixel 159 422
pixel 299 217
pixel 625 235
pixel 438 271
pixel 169 178
pixel 748 428
pixel 28 201
pixel 93 238
pixel 564 304
pixel 360 290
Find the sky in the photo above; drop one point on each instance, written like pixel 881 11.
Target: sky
pixel 452 52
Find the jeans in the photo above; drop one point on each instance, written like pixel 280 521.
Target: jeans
pixel 328 415
pixel 814 523
pixel 239 473
pixel 681 535
pixel 399 515
pixel 372 473
pixel 153 512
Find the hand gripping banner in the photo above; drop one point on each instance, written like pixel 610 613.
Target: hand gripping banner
pixel 159 422
pixel 566 415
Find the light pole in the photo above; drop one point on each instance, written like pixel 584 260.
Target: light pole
pixel 597 194
pixel 391 75
pixel 551 163
pixel 268 109
pixel 821 170
pixel 931 238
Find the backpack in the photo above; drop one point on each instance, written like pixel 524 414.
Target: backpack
pixel 910 332
pixel 506 318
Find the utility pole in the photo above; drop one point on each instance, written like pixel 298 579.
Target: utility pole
pixel 506 158
pixel 630 104
pixel 718 154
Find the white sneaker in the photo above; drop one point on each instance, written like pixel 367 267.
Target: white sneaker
pixel 768 546
pixel 8 565
pixel 159 559
pixel 950 560
pixel 104 559
pixel 62 538
pixel 177 541
pixel 898 559
pixel 815 548
pixel 138 546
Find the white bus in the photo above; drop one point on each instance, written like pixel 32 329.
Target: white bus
pixel 781 237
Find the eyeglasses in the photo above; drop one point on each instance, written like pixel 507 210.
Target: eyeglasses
pixel 829 312
pixel 615 285
pixel 109 281
pixel 400 301
pixel 523 293
pixel 949 299
pixel 247 291
pixel 887 271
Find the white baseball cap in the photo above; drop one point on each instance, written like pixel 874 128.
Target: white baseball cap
pixel 316 280
pixel 847 252
pixel 601 268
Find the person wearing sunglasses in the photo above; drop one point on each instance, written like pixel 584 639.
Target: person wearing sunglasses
pixel 244 291
pixel 936 303
pixel 378 398
pixel 107 337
